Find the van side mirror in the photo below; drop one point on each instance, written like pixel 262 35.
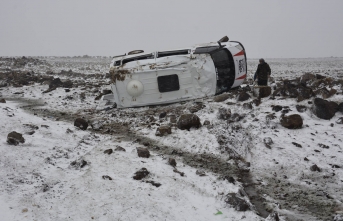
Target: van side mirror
pixel 224 39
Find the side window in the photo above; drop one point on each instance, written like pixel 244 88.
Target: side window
pixel 172 53
pixel 142 57
pixel 168 83
pixel 204 50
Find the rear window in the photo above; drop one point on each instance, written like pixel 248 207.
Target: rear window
pixel 168 83
pixel 142 57
pixel 172 53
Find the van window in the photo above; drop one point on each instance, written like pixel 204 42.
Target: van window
pixel 168 83
pixel 204 50
pixel 142 57
pixel 172 53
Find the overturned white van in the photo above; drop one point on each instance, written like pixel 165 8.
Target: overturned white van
pixel 161 77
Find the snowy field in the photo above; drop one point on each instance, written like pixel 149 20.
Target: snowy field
pixel 61 172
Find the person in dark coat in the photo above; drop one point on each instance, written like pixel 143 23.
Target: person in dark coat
pixel 262 73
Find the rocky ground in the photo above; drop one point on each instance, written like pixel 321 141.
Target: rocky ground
pixel 249 154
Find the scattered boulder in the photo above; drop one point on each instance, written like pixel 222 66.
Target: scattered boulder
pixel 324 109
pixel 196 107
pixel 153 183
pixel 221 97
pixel 340 107
pixel 293 121
pixel 140 174
pixel 257 101
pixel 163 130
pixel 108 151
pixel 268 142
pixel 172 162
pixel 325 93
pixel 163 115
pixel 81 123
pixel 207 122
pixel 243 96
pixel 187 121
pixel 224 113
pixel 106 177
pixel 119 148
pixel 274 216
pixel 314 167
pixel 247 106
pixel 301 108
pixel 236 202
pixel 200 173
pixel 307 77
pixel 15 138
pixel 77 164
pixel 339 120
pixel 143 152
pixel 172 118
pixel 297 145
pixel 276 108
pixel 2 100
pixel 262 91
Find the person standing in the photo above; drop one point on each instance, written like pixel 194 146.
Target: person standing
pixel 262 73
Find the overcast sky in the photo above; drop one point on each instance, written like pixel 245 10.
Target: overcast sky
pixel 267 28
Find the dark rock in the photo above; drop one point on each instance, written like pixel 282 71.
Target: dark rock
pixel 293 121
pixel 82 96
pixel 143 152
pixel 172 162
pixel 306 159
pixel 172 118
pixel 45 126
pixel 31 126
pixel 221 97
pixel 106 91
pixel 285 111
pixel 55 83
pixel 340 107
pixel 30 132
pixel 339 120
pixel 243 96
pixel 179 172
pixel 163 130
pixel 200 173
pixel 270 117
pixel 2 100
pixel 163 115
pixel 277 108
pixel 224 113
pixel 324 109
pixel 140 174
pixel 81 123
pixel 325 93
pixel 207 122
pixel 119 148
pixel 297 145
pixel 318 76
pixel 247 106
pixel 153 183
pixel 77 164
pixel 268 142
pixel 323 146
pixel 15 138
pixel 67 84
pixel 314 167
pixel 196 107
pixel 301 108
pixel 98 97
pixel 307 77
pixel 257 101
pixel 106 177
pixel 236 202
pixel 246 88
pixel 187 121
pixel 274 216
pixel 304 93
pixel 108 151
pixel 231 179
pixel 236 117
pixel 67 90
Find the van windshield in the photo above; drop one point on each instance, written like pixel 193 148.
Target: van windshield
pixel 225 68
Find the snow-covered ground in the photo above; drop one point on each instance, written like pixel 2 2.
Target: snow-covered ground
pixel 38 181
